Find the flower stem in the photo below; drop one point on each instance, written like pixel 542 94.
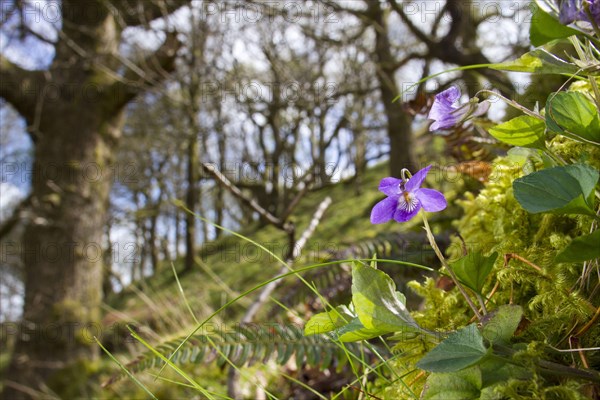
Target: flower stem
pixel 514 104
pixel 440 256
pixel 482 303
pixel 548 367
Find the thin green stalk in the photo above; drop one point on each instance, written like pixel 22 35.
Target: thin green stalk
pixel 513 103
pixel 549 367
pixel 463 68
pixel 440 256
pixel 168 362
pixel 187 304
pixel 481 303
pixel 124 369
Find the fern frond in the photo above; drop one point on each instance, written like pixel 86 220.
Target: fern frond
pixel 250 343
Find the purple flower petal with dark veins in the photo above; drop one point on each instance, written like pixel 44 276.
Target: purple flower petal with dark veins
pixel 404 216
pixel 417 179
pixel 405 199
pixel 445 114
pixel 442 110
pixel 390 186
pixel 432 200
pixel 384 210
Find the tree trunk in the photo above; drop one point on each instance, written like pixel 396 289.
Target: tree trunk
pixel 191 201
pixel 399 127
pixel 220 192
pixel 177 232
pixel 107 259
pixel 154 248
pixel 360 163
pixel 74 112
pixel 63 246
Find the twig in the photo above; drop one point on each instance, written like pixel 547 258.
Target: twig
pixel 297 249
pixel 222 179
pixel 508 256
pixel 263 296
pixel 296 200
pixel 591 323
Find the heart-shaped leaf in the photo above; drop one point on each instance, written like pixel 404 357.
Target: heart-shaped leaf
pixel 561 190
pixel 465 385
pixel 523 131
pixel 355 331
pixel 460 350
pixel 581 249
pixel 473 269
pixel 377 303
pixel 328 321
pixel 573 112
pixel 503 324
pixel 539 61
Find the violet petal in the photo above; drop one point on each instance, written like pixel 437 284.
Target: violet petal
pixel 390 186
pixel 431 200
pixel 442 110
pixel 417 180
pixel 384 210
pixel 402 215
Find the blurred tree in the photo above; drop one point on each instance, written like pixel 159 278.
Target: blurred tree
pixel 74 114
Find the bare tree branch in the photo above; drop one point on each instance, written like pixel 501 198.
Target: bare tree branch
pixel 298 246
pixel 20 87
pixel 146 72
pixel 422 36
pixel 141 12
pixel 234 190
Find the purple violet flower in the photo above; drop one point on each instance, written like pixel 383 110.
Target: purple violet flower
pixel 573 10
pixel 446 114
pixel 406 198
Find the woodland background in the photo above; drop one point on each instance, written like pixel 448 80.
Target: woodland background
pixel 118 116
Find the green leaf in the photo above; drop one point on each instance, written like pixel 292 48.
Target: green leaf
pixel 523 131
pixel 503 324
pixel 581 249
pixel 328 321
pixel 459 351
pixel 573 112
pixel 560 190
pixel 473 269
pixel 538 61
pixel 545 28
pixel 376 302
pixel 496 371
pixel 355 331
pixel 464 385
